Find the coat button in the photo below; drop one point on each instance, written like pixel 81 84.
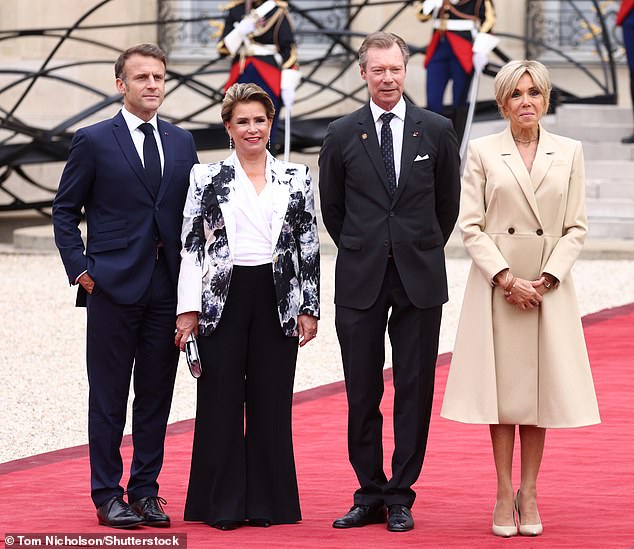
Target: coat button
pixel 386 243
pixel 539 232
pixel 511 230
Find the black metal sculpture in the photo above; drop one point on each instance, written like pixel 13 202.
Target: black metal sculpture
pixel 326 23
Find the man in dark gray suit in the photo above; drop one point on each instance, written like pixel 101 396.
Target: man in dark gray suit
pixel 389 180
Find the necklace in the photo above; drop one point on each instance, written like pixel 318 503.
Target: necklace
pixel 525 141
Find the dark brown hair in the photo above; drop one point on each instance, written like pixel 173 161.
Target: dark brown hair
pixel 149 50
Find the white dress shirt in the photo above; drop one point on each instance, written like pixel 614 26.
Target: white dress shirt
pixel 138 136
pixel 397 125
pixel 254 219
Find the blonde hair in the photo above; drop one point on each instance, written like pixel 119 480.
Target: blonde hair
pixel 245 93
pixel 509 75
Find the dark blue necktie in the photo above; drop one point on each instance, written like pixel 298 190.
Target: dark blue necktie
pixel 151 158
pixel 387 150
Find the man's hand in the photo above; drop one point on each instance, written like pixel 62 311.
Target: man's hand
pixel 87 283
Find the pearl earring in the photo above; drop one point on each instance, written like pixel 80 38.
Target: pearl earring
pixel 230 143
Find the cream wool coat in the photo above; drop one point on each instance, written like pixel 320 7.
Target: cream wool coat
pixel 511 366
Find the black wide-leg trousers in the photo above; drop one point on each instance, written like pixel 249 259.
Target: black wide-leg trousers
pixel 242 461
pixel 414 336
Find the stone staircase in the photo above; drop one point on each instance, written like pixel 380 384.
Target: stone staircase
pixel 609 165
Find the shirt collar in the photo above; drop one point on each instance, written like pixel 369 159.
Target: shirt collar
pixel 133 121
pixel 398 110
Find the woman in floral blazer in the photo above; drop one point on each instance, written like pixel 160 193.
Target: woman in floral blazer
pixel 249 288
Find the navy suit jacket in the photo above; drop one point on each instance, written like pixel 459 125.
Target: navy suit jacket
pixel 367 223
pixel 104 176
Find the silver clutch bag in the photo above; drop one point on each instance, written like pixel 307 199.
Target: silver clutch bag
pixel 192 356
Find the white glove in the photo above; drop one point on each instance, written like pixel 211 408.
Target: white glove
pixel 431 5
pixel 484 42
pixel 246 26
pixel 480 60
pixel 289 82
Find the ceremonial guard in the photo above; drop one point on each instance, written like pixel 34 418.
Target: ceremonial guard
pixel 625 19
pixel 453 52
pixel 260 36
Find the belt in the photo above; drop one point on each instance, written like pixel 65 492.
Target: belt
pixel 259 49
pixel 454 24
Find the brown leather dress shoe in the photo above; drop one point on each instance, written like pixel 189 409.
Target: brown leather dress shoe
pixel 361 515
pixel 116 513
pixel 399 518
pixel 151 509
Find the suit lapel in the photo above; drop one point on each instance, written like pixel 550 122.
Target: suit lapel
pixel 412 132
pixel 543 158
pixel 513 160
pixel 225 194
pixel 366 134
pixel 280 196
pixel 124 139
pixel 168 158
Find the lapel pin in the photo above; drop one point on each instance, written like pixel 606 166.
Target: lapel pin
pixel 364 136
pixel 415 133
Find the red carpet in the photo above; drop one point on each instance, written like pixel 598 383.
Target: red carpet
pixel 586 483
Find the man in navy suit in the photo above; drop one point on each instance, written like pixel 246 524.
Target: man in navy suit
pixel 130 175
pixel 389 180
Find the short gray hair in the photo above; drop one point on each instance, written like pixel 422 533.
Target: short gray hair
pixel 384 41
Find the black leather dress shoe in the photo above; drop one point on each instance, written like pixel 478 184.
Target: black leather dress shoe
pixel 628 139
pixel 116 513
pixel 151 509
pixel 226 524
pixel 399 518
pixel 361 515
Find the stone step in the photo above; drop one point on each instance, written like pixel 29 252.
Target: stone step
pixel 610 208
pixel 593 115
pixel 602 228
pixel 607 189
pixel 619 170
pixel 607 151
pixel 594 134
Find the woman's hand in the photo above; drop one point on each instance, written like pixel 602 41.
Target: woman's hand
pixel 307 326
pixel 186 323
pixel 524 293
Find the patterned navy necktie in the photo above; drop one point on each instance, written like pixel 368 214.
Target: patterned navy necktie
pixel 387 150
pixel 151 158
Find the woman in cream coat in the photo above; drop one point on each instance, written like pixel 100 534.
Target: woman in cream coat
pixel 520 355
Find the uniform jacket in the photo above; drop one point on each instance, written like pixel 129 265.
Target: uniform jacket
pixel 367 223
pixel 275 30
pixel 513 366
pixel 208 237
pixel 105 176
pixel 481 12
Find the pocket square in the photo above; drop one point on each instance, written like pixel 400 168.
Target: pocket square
pixel 419 158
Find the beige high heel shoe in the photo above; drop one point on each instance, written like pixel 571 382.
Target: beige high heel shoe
pixel 527 529
pixel 504 531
